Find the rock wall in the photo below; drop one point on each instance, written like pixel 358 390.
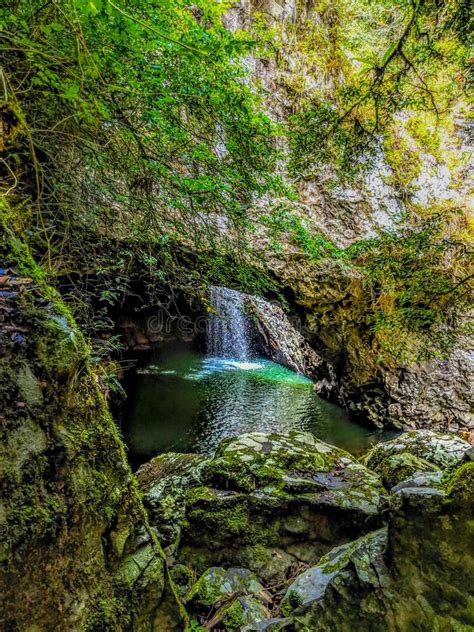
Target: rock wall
pixel 331 296
pixel 76 550
pixel 436 394
pixel 279 338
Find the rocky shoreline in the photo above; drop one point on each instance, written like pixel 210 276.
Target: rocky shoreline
pixel 287 532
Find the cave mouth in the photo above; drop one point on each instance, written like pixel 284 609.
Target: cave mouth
pixel 194 389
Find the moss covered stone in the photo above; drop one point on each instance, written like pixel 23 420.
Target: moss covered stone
pixel 70 511
pixel 414 575
pixel 235 595
pixel 397 467
pixel 261 493
pixel 218 583
pixel 355 569
pixel 418 450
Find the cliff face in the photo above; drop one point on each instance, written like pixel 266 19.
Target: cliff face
pixel 333 296
pixel 76 551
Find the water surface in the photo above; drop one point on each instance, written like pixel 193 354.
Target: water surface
pixel 187 402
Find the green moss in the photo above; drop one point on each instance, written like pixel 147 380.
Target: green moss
pixel 107 615
pixel 397 467
pixel 228 521
pixel 183 577
pixel 70 503
pixel 460 485
pixel 234 617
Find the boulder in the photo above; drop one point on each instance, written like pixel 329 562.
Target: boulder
pixel 234 597
pixel 415 574
pixel 239 614
pixel 329 595
pixel 217 584
pixel 266 501
pixel 416 451
pixel 164 481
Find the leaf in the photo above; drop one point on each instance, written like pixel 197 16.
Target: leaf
pixel 70 92
pixel 390 50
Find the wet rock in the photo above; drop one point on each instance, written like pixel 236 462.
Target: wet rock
pixel 242 613
pixel 359 563
pixel 415 574
pixel 397 467
pixel 218 583
pixel 164 481
pixel 417 451
pixel 280 339
pixel 420 480
pixel 264 500
pixel 234 596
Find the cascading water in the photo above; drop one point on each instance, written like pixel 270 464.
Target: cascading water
pixel 228 334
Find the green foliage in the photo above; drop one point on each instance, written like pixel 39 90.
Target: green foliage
pixel 386 58
pixel 139 124
pixel 419 282
pixel 284 223
pixel 135 145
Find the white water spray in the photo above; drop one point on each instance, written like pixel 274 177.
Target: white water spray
pixel 228 334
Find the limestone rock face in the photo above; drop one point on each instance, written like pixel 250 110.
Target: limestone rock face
pixel 417 451
pixel 438 394
pixel 279 338
pixel 265 501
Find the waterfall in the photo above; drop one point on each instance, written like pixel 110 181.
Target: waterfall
pixel 227 331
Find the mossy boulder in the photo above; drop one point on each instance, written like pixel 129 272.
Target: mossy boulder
pixel 416 451
pixel 397 467
pixel 432 539
pixel 415 574
pixel 234 596
pixel 217 584
pixel 242 613
pixel 164 482
pixel 352 573
pixel 275 490
pixel 263 500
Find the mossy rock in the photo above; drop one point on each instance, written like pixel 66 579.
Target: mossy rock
pixel 69 506
pixel 415 574
pixel 182 577
pixel 218 584
pixel 260 492
pixel 397 467
pixel 420 450
pixel 431 540
pixel 164 482
pixel 265 489
pixel 356 569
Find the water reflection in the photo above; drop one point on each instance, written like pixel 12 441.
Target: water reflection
pixel 184 401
